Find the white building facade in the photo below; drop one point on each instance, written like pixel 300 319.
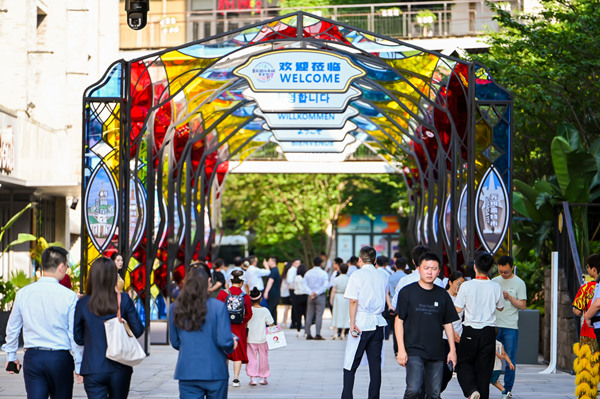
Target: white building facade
pixel 52 50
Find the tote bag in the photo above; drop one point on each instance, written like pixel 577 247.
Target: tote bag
pixel 121 344
pixel 275 337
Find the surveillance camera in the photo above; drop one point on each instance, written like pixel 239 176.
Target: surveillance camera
pixel 137 13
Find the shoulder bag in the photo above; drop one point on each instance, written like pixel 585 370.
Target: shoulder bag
pixel 121 344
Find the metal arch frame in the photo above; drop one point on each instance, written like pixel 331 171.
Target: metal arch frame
pixel 438 167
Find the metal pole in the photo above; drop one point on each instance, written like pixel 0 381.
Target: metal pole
pixel 551 369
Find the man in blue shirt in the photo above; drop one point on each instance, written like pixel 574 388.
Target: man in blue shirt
pixel 45 311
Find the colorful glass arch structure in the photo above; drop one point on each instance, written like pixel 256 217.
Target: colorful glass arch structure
pixel 159 132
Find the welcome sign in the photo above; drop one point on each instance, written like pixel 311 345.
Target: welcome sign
pixel 299 70
pixel 307 120
pixel 299 102
pixel 313 134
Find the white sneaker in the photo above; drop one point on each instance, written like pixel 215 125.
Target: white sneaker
pixel 236 383
pixel 475 395
pixel 507 395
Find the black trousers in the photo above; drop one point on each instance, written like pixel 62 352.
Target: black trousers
pixel 371 343
pixel 293 325
pixel 299 302
pixel 447 373
pixel 476 360
pixel 112 385
pixel 48 373
pixel 272 303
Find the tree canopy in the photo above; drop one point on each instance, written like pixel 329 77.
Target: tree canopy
pixel 549 60
pixel 294 216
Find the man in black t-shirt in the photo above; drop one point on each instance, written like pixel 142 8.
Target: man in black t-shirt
pixel 423 311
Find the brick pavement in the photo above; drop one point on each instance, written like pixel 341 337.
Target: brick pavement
pixel 307 370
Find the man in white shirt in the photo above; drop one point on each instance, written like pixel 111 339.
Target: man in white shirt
pixel 515 296
pixel 45 310
pixel 316 281
pixel 254 274
pixel 366 291
pixel 480 298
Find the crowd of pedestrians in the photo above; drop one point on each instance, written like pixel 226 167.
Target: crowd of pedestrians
pixel 462 322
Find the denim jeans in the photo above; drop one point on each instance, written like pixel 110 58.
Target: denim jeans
pixel 421 371
pixel 509 338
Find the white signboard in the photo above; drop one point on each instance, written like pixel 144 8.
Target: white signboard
pixel 313 134
pixel 299 70
pixel 299 102
pixel 307 120
pixel 315 146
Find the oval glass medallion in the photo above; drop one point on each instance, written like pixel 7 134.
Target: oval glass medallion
pixel 101 206
pixel 492 210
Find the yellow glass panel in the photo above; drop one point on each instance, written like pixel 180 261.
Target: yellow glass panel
pixel 483 136
pixel 181 68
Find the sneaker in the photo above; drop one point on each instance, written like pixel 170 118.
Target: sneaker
pixel 334 338
pixel 252 382
pixel 309 337
pixel 475 395
pixel 263 381
pixel 319 338
pixel 506 394
pixel 236 383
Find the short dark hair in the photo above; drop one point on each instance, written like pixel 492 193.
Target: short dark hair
pixel 353 260
pixel 367 254
pixel 400 263
pixel 274 258
pixel 397 255
pixel 381 260
pixel 339 261
pixel 252 258
pixel 506 260
pixel 484 262
pixel 317 261
pixel 343 268
pixel 470 269
pixel 218 263
pixel 237 261
pixel 593 261
pixel 416 254
pixel 429 256
pixel 52 257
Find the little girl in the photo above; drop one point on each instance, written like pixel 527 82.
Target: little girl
pixel 258 349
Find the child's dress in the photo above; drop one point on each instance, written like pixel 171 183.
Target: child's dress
pixel 258 349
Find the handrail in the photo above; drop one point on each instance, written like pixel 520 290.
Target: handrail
pixel 568 223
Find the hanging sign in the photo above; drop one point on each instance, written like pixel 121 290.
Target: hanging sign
pixel 492 210
pixel 315 146
pixel 101 207
pixel 290 102
pixel 299 70
pixel 307 120
pixel 313 134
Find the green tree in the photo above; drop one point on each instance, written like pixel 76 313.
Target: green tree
pixel 549 61
pixel 294 215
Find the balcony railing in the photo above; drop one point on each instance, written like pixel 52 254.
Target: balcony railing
pixel 406 20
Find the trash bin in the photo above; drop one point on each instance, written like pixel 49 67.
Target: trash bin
pixel 529 333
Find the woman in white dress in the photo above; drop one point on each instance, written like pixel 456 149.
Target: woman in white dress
pixel 341 306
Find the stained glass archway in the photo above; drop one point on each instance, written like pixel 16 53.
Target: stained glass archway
pixel 159 132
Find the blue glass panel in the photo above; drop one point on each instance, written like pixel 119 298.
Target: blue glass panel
pixel 486 89
pixel 111 86
pixel 501 165
pixel 501 135
pixel 384 75
pixel 213 51
pixel 94 132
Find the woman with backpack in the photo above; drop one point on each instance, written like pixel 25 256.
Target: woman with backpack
pixel 239 307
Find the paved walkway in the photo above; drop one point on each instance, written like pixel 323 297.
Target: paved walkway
pixel 307 370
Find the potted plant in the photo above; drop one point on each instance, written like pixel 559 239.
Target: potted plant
pixel 8 291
